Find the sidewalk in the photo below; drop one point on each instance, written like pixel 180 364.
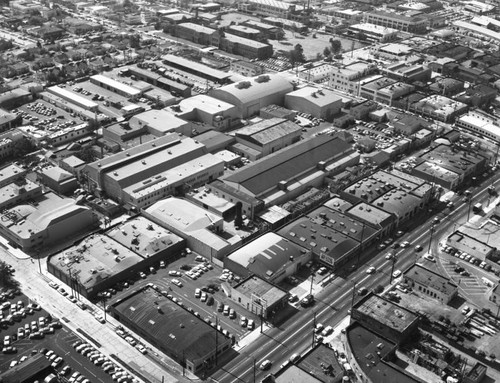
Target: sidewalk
pixel 34 285
pixel 250 337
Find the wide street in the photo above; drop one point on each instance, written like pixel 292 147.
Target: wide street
pixel 296 334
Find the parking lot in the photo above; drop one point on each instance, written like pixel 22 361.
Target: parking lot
pixel 46 116
pixel 33 331
pixel 212 299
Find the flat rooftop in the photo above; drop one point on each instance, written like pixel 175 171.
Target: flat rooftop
pixel 319 360
pixel 431 279
pixel 369 349
pixel 168 324
pixel 72 96
pixel 94 259
pixel 120 86
pixel 471 242
pixel 261 288
pixel 9 172
pixel 369 213
pixel 386 312
pixel 144 236
pixel 457 161
pixel 194 66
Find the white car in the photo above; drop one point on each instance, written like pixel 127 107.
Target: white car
pixel 177 282
pixel 141 348
pixel 396 273
pixel 370 270
pixel 319 327
pixel 389 256
pixel 429 258
pixel 402 289
pixel 197 293
pixel 174 273
pixel 405 244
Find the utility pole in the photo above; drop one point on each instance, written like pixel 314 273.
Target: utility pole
pixel 254 369
pixel 216 337
pixel 311 288
pixel 314 328
pixel 430 239
pixel 353 293
pixel 360 245
pixel 394 259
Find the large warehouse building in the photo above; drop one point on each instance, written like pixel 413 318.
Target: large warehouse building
pixel 249 96
pixel 286 174
pixel 169 165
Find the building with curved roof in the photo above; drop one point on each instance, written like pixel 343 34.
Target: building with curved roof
pixel 249 96
pixel 50 219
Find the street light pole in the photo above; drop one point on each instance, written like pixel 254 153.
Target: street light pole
pixel 353 293
pixel 314 328
pixel 360 245
pixel 312 281
pixel 430 239
pixel 394 259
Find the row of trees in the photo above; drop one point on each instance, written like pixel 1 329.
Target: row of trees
pixel 296 55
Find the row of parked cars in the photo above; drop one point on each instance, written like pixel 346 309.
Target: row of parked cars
pixel 467 257
pixel 96 357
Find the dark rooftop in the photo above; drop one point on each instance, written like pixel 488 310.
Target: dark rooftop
pixel 287 163
pixel 322 363
pixel 369 350
pixel 172 326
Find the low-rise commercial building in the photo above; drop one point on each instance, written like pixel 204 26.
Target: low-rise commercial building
pixel 347 78
pixel 371 356
pixel 246 68
pixel 115 86
pixel 373 32
pixel 384 90
pixel 196 68
pixel 8 142
pixel 72 97
pixel 181 335
pixel 58 179
pixel 18 191
pixel 448 167
pixel 470 245
pixel 333 237
pixel 203 230
pixel 401 22
pixel 405 72
pixel 384 317
pixel 398 193
pixel 430 283
pixel 438 107
pixel 270 256
pixel 259 296
pixel 230 43
pixel 320 103
pixel 265 137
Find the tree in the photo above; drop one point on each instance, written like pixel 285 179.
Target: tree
pixel 135 41
pixel 21 147
pixel 6 279
pixel 297 55
pixel 326 52
pixel 335 46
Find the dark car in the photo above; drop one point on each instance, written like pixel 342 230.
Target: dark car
pixel 307 300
